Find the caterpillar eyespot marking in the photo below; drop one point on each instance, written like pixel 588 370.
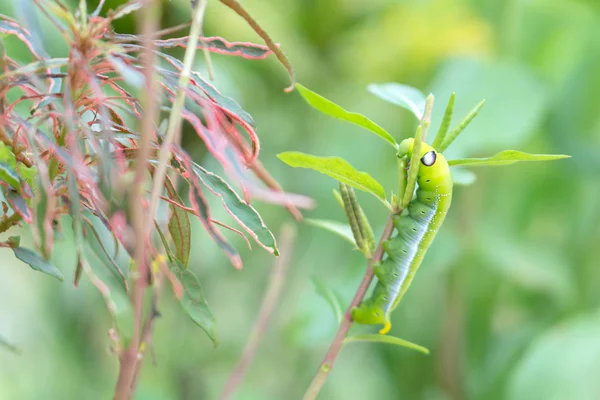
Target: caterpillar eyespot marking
pixel 405 253
pixel 429 158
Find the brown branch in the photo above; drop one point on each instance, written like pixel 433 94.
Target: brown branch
pixel 335 346
pixel 129 357
pixel 8 222
pixel 241 11
pixel 270 300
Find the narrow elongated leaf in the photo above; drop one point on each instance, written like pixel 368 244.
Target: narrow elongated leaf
pixel 202 210
pixel 9 176
pixel 337 168
pixel 20 206
pixel 331 109
pixel 193 300
pixel 413 169
pixel 407 97
pixel 179 225
pixel 209 90
pixel 34 67
pixel 241 211
pixel 506 157
pixel 213 44
pixel 330 296
pixel 37 263
pixel 126 8
pixel 374 338
pixel 460 127
pixel 11 27
pixel 341 229
pixel 446 121
pixel 194 303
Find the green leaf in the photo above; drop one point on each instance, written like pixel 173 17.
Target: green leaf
pixel 194 302
pixel 460 127
pixel 330 296
pixel 9 175
pixel 331 109
pixel 337 168
pixel 242 212
pixel 445 125
pixel 506 157
pixel 37 263
pixel 341 229
pixel 375 338
pixel 28 174
pixel 413 169
pixel 407 97
pixel 179 225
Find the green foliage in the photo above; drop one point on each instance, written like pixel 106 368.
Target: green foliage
pixel 403 96
pixel 179 226
pixel 242 212
pixel 450 137
pixel 387 339
pixel 337 168
pixel 484 306
pixel 37 263
pixel 413 169
pixel 506 157
pixel 445 125
pixel 191 298
pixel 331 109
pixel 193 301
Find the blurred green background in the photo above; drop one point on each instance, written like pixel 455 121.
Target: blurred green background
pixel 507 298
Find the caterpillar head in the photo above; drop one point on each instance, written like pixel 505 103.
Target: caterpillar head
pixel 434 173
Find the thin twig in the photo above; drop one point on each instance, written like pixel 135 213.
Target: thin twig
pixel 270 300
pixel 8 222
pixel 129 358
pixel 174 125
pixel 335 346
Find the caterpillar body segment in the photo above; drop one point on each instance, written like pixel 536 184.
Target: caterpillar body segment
pixel 415 229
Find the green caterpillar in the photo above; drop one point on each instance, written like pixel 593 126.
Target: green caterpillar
pixel 416 228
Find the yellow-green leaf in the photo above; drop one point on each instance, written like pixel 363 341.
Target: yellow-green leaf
pixel 337 168
pixel 506 157
pixel 331 109
pixel 386 339
pixel 404 96
pixel 36 262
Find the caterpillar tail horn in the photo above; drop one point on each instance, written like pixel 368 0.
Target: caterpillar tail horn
pixel 386 328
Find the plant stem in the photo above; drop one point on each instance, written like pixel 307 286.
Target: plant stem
pixel 129 357
pixel 335 346
pixel 175 116
pixel 8 222
pixel 276 282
